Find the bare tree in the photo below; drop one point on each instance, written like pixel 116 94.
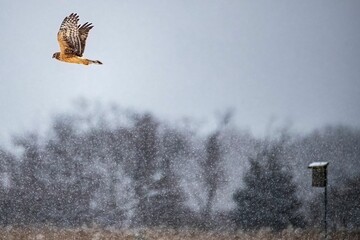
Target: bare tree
pixel 145 143
pixel 212 168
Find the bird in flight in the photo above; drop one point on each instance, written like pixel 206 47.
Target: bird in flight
pixel 72 39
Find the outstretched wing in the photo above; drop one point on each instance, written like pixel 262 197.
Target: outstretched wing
pixel 69 37
pixel 84 32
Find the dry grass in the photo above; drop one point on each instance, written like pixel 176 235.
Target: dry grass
pixel 102 234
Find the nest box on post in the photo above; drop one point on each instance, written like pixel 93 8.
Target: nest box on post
pixel 319 179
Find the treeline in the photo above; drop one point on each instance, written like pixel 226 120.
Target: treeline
pixel 119 168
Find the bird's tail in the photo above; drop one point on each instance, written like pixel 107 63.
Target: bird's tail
pixel 94 61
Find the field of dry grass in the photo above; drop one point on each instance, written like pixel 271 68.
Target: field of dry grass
pixel 102 234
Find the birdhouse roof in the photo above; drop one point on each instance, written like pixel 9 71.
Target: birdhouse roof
pixel 318 164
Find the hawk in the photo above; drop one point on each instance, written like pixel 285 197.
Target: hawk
pixel 72 38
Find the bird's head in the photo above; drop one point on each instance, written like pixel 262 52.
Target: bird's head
pixel 56 55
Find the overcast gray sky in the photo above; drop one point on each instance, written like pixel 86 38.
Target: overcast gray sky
pixel 292 60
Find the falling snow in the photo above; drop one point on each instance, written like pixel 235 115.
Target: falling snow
pixel 90 172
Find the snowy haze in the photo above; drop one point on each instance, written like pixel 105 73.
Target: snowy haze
pixel 288 60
